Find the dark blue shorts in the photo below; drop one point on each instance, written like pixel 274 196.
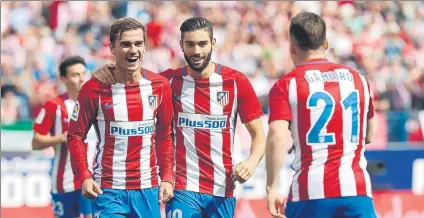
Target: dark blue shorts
pixel 117 203
pixel 197 205
pixel 70 204
pixel 345 207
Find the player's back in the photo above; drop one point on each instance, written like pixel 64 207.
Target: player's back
pixel 330 105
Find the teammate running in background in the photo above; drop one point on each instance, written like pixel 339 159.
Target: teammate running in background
pixel 328 108
pixel 207 98
pixel 133 121
pixel 50 128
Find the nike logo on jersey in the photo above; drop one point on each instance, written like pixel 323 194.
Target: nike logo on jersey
pixel 175 97
pixel 109 106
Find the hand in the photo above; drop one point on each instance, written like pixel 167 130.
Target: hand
pixel 105 74
pixel 64 137
pixel 166 192
pixel 276 204
pixel 244 170
pixel 90 189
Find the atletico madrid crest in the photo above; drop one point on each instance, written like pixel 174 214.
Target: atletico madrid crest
pixel 223 98
pixel 153 101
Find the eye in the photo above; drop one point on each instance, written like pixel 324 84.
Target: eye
pixel 139 44
pixel 125 44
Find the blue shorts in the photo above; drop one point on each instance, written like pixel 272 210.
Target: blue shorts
pixel 345 207
pixel 196 205
pixel 70 204
pixel 117 203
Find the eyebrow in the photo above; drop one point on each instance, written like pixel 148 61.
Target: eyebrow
pixel 138 41
pixel 198 41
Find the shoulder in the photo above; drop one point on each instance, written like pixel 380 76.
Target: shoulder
pixel 171 73
pixel 229 73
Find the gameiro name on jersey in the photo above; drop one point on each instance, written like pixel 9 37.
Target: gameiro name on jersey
pixel 133 122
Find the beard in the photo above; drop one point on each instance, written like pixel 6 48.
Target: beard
pixel 202 66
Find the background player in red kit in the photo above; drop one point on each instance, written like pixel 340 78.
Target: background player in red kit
pixel 132 119
pixel 50 128
pixel 328 108
pixel 207 98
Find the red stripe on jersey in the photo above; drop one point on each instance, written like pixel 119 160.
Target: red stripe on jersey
pixel 153 163
pixel 202 138
pixel 109 143
pixel 180 150
pixel 335 151
pixel 61 168
pixel 359 174
pixel 135 113
pixel 304 119
pixel 228 85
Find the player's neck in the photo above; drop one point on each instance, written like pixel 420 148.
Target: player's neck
pixel 308 56
pixel 206 73
pixel 126 78
pixel 72 94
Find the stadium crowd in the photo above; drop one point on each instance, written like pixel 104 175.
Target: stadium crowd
pixel 383 40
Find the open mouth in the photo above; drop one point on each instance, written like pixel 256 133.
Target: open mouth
pixel 132 59
pixel 196 59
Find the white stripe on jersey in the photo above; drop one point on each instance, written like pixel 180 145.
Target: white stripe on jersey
pixel 363 161
pixel 68 176
pixel 58 148
pixel 319 150
pixel 216 136
pixel 192 160
pixel 346 174
pixel 295 133
pixel 100 147
pixel 119 100
pixel 145 172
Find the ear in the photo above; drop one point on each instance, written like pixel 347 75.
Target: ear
pixel 112 49
pixel 181 45
pixel 213 43
pixel 326 44
pixel 292 48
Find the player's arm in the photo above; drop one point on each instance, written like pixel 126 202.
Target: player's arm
pixel 370 121
pixel 250 111
pixel 279 118
pixel 83 116
pixel 42 126
pixel 40 141
pixel 164 144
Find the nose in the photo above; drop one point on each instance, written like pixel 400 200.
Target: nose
pixel 197 50
pixel 133 49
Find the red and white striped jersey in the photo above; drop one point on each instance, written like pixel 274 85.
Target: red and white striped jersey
pixel 328 105
pixel 205 113
pixel 53 119
pixel 133 122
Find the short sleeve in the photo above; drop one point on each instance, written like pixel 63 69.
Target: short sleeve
pixel 279 104
pixel 249 107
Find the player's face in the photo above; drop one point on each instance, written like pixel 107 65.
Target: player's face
pixel 197 47
pixel 75 77
pixel 129 50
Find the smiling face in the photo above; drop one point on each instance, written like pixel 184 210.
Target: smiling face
pixel 128 50
pixel 197 47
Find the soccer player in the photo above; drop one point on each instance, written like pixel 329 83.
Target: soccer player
pixel 328 108
pixel 207 98
pixel 132 119
pixel 50 128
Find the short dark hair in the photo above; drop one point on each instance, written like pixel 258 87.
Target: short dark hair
pixel 124 24
pixel 307 31
pixel 69 61
pixel 196 23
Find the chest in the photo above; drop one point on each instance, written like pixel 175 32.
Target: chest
pixel 129 103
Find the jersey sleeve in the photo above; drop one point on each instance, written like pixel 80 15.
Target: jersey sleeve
pixel 83 116
pixel 44 120
pixel 279 106
pixel 163 138
pixel 249 107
